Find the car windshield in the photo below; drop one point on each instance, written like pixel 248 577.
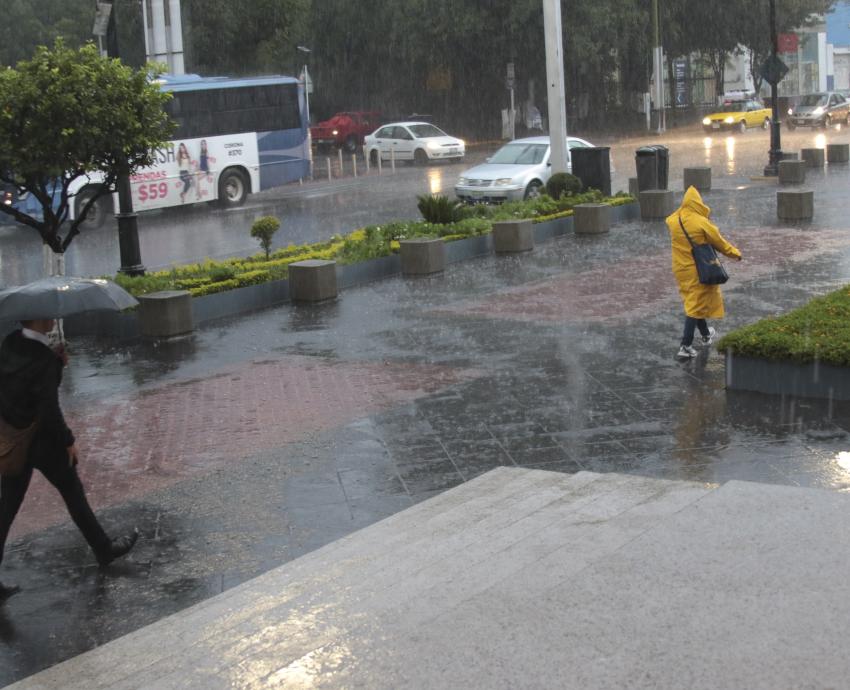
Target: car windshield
pixel 425 131
pixel 735 107
pixel 520 154
pixel 813 99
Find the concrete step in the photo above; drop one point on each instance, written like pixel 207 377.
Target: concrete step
pixel 508 526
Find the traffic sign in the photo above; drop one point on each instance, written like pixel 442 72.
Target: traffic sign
pixel 773 70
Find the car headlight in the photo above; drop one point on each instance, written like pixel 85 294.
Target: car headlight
pixel 432 145
pixel 461 143
pixel 790 111
pixel 818 110
pixel 706 120
pixel 503 181
pixel 335 132
pixel 729 120
pixel 463 181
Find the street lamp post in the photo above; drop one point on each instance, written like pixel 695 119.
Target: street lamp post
pixel 775 153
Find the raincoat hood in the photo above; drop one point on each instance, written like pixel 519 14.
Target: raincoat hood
pixel 693 202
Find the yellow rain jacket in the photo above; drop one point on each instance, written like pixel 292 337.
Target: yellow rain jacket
pixel 701 301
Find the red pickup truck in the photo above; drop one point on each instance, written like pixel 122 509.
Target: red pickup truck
pixel 345 130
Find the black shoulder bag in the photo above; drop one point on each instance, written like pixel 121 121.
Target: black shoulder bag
pixel 709 268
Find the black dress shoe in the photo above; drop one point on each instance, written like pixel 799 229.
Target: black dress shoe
pixel 117 548
pixel 8 591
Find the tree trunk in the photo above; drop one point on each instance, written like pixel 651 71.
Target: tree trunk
pixel 53 263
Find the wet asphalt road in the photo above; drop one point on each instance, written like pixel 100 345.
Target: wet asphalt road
pixel 317 210
pixel 263 437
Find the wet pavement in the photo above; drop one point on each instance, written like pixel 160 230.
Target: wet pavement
pixel 261 438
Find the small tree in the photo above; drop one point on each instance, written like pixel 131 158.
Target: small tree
pixel 67 114
pixel 263 231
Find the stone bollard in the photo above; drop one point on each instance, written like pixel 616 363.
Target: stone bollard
pixel 790 156
pixel 422 256
pixel 591 219
pixel 165 314
pixel 814 158
pixel 312 280
pixel 796 205
pixel 837 153
pixel 698 177
pixel 634 190
pixel 792 172
pixel 513 236
pixel 656 204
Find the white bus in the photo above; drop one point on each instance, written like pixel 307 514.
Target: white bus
pixel 233 137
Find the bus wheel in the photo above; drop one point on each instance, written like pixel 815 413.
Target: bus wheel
pixel 232 188
pixel 98 212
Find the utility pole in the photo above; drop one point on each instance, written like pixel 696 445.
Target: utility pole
pixel 775 74
pixel 658 67
pixel 128 226
pixel 559 156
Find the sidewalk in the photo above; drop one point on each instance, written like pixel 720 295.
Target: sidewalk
pixel 264 437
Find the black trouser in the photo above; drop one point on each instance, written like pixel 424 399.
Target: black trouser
pixel 691 324
pixel 67 482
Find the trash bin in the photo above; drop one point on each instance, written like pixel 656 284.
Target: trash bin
pixel 592 166
pixel 652 163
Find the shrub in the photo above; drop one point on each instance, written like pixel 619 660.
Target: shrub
pixel 563 184
pixel 438 209
pixel 263 231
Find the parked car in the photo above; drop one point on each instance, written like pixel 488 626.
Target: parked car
pixel 738 115
pixel 419 142
pixel 819 110
pixel 345 130
pixel 518 170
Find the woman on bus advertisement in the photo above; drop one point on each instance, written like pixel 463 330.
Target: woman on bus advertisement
pixel 184 165
pixel 203 168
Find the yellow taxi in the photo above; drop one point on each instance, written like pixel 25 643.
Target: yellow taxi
pixel 738 115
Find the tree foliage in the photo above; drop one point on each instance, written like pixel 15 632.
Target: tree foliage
pixel 70 113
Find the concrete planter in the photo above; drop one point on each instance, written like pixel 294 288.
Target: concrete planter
pixel 837 153
pixel 513 236
pixel 814 158
pixel 422 256
pixel 697 177
pixel 656 204
pixel 812 380
pixel 795 205
pixel 165 314
pixel 592 219
pixel 125 326
pixel 313 280
pixel 792 172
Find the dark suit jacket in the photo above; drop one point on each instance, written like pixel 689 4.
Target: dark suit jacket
pixel 30 374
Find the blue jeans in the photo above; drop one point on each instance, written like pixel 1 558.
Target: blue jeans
pixel 691 324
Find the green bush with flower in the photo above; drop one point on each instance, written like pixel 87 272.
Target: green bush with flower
pixel 209 276
pixel 817 331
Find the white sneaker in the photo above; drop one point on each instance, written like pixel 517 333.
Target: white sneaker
pixel 686 352
pixel 708 339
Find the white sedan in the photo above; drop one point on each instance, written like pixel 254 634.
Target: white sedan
pixel 419 142
pixel 518 170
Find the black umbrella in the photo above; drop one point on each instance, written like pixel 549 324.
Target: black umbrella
pixel 60 296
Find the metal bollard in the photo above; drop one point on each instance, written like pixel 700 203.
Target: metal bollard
pixel 392 159
pixel 341 169
pixel 380 163
pixel 366 158
pixel 354 163
pixel 330 177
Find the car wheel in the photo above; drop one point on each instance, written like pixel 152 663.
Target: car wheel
pixel 847 119
pixel 350 144
pixel 790 125
pixel 533 189
pixel 827 122
pixel 232 188
pixel 420 157
pixel 98 212
pixel 742 126
pixel 322 149
pixel 373 157
pixel 766 123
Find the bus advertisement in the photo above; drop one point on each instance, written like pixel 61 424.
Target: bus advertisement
pixel 233 137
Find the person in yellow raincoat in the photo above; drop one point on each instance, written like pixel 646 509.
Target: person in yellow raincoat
pixel 701 301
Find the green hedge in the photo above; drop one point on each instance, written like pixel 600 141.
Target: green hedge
pixel 820 331
pixel 208 277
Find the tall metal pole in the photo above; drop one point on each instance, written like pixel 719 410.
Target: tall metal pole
pixel 658 67
pixel 128 226
pixel 775 153
pixel 555 85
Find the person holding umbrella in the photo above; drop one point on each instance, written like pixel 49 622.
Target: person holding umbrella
pixel 30 375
